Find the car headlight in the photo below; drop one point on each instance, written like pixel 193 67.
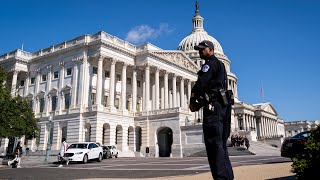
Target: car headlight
pixel 78 153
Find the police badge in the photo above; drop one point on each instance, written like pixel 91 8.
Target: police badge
pixel 205 68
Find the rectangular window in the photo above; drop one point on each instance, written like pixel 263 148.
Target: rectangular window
pixel 116 103
pixel 93 98
pixel 44 78
pixel 106 74
pixel 56 75
pixel 138 83
pixel 94 70
pixel 67 101
pixel 31 104
pixel 128 80
pixel 53 103
pixel 118 77
pixel 21 83
pixel 32 80
pixel 105 101
pixel 41 104
pixel 69 71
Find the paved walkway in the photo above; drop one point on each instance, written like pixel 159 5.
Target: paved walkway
pixel 279 171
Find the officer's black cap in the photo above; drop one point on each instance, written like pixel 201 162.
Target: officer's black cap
pixel 204 44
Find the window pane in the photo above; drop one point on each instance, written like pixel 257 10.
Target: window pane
pixel 67 101
pixel 56 75
pixel 69 71
pixel 54 103
pixel 41 104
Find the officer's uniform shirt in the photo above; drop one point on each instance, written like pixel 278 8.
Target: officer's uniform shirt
pixel 212 76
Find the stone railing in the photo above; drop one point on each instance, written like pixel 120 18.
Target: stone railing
pixel 158 112
pixel 85 39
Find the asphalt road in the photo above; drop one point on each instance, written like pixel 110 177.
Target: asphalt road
pixel 127 168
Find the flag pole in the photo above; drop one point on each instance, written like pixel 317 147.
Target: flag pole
pixel 262 92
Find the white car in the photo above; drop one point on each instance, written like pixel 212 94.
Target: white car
pixel 84 151
pixel 114 151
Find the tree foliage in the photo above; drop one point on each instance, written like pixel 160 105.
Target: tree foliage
pixel 16 117
pixel 307 164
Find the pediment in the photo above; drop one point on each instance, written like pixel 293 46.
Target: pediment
pixel 267 107
pixel 177 58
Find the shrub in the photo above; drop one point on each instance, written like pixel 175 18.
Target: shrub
pixel 307 164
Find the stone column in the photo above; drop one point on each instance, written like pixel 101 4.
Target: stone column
pixel 123 87
pixel 189 93
pixel 14 82
pixel 74 94
pixel 182 93
pixel 82 81
pixel 26 84
pixel 112 85
pixel 134 89
pixel 36 90
pixel 157 88
pixel 166 90
pixel 47 97
pixel 61 79
pixel 174 90
pixel 56 136
pixel 147 80
pixel 99 81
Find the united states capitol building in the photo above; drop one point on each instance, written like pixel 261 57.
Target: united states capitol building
pixel 100 88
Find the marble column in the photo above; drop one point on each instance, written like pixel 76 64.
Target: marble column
pixel 26 84
pixel 166 90
pixel 174 90
pixel 47 97
pixel 61 79
pixel 182 93
pixel 112 83
pixel 134 89
pixel 14 82
pixel 74 94
pixel 99 81
pixel 82 81
pixel 123 87
pixel 157 84
pixel 147 81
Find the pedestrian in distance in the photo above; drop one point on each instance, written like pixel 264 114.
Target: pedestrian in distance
pixel 15 163
pixel 246 142
pixel 62 154
pixel 210 93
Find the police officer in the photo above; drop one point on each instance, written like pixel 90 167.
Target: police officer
pixel 206 93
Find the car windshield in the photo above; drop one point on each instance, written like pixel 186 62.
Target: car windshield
pixel 78 146
pixel 302 134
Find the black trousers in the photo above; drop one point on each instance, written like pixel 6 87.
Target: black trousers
pixel 216 130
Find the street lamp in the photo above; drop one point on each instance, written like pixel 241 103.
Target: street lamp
pixel 48 143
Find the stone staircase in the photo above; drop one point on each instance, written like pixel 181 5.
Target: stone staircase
pixel 263 149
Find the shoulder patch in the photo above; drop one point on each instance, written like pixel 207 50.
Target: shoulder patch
pixel 205 68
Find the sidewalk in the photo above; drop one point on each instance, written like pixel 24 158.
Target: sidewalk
pixel 279 171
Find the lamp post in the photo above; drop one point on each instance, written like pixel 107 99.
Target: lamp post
pixel 48 143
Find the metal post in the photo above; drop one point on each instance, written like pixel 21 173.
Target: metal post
pixel 48 149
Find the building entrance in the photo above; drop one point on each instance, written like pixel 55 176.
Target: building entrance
pixel 165 142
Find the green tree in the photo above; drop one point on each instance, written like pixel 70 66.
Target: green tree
pixel 307 164
pixel 16 117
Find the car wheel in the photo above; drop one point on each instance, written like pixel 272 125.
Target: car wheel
pixel 100 158
pixel 85 159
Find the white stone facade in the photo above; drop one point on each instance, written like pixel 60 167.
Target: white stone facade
pixel 100 88
pixel 295 127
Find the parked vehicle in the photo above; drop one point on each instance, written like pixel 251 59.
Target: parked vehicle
pixel 293 146
pixel 114 151
pixel 84 151
pixel 106 152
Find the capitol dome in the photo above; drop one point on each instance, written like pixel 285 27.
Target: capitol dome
pixel 197 35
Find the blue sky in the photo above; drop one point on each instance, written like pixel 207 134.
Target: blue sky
pixel 271 43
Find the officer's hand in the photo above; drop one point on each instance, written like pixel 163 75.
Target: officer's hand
pixel 195 107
